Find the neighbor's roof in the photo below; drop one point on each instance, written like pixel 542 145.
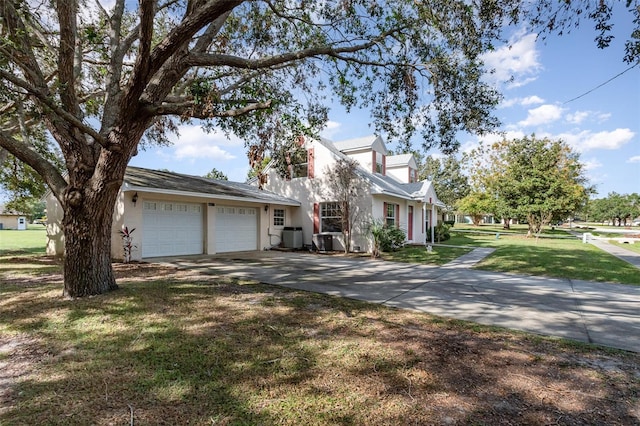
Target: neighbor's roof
pixel 139 179
pixel 5 212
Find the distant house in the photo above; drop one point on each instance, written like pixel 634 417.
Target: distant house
pixel 10 219
pixel 175 214
pixel 390 192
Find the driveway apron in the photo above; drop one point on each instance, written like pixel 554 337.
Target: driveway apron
pixel 600 313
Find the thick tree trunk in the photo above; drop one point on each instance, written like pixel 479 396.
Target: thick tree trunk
pixel 87 230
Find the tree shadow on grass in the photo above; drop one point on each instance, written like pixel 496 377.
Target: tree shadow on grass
pixel 203 350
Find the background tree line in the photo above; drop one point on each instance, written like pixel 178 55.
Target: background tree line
pixel 614 209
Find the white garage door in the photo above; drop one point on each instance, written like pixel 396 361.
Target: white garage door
pixel 236 229
pixel 171 229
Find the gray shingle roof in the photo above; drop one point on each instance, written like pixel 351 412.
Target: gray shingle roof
pixel 137 178
pixel 398 160
pixel 357 143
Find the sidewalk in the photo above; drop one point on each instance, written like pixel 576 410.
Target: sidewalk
pixel 628 256
pixel 621 253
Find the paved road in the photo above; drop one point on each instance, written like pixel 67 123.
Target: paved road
pixel 605 314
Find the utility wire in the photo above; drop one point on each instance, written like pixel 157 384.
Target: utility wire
pixel 600 85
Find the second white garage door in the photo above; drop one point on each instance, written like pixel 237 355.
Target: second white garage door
pixel 236 228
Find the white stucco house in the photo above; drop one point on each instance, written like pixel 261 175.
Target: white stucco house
pixel 176 214
pixel 390 192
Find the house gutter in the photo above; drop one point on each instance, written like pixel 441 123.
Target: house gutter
pixel 127 188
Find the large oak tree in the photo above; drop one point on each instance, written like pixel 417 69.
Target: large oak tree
pixel 103 81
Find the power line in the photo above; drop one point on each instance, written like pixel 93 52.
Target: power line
pixel 600 85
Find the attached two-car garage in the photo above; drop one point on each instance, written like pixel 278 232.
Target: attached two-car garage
pixel 177 228
pixel 175 214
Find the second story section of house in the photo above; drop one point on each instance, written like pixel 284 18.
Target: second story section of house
pixel 370 152
pixel 311 157
pixel 403 168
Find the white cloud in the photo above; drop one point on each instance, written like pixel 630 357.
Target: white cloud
pixel 194 143
pixel 516 63
pixel 331 128
pixel 585 140
pixel 542 115
pixel 532 100
pixel 578 117
pixel 529 100
pixel 608 140
pixel 490 138
pixel 591 164
pixel 634 159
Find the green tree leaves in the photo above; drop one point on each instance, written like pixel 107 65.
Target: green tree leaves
pixel 538 180
pixel 216 174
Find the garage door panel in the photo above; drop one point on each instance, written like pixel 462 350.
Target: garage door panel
pixel 236 229
pixel 171 229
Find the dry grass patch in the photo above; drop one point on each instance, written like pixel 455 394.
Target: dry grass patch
pixel 173 347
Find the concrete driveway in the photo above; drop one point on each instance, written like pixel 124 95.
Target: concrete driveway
pixel 604 314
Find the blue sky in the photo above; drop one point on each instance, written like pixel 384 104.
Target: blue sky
pixel 603 126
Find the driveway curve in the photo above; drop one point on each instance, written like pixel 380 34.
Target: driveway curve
pixel 599 313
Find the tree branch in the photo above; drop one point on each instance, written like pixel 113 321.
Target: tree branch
pixel 203 111
pixel 254 64
pixel 175 68
pixel 25 153
pixel 209 12
pixel 62 113
pixel 20 50
pixel 67 10
pixel 114 68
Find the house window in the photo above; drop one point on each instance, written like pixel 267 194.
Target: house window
pixel 330 217
pixel 390 214
pixel 298 163
pixel 278 217
pixel 379 163
pixel 413 175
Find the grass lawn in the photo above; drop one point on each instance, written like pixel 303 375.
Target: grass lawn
pixel 30 241
pixel 419 254
pixel 562 258
pixel 632 247
pixel 173 347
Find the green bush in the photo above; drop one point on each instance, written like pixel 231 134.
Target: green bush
pixel 442 232
pixel 392 238
pixel 385 238
pixel 450 222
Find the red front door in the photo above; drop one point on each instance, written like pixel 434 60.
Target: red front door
pixel 410 230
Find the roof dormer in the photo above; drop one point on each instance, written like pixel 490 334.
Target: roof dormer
pixel 402 167
pixel 370 152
